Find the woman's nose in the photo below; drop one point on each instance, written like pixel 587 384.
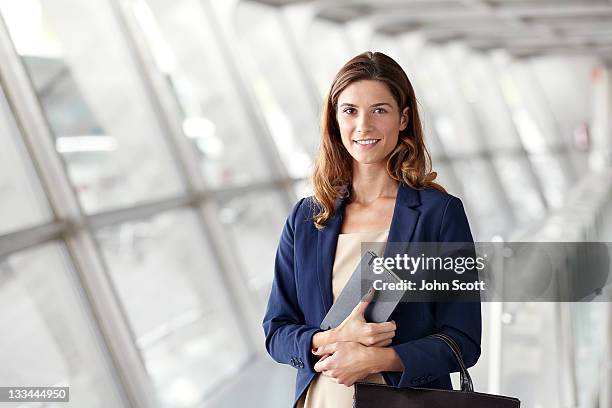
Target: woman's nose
pixel 364 124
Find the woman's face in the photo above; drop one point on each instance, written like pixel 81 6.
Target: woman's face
pixel 369 121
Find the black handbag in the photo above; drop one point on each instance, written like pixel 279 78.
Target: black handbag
pixel 376 395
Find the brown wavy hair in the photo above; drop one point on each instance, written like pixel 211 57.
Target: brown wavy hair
pixel 409 162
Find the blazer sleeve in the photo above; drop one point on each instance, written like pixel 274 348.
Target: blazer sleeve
pixel 427 359
pixel 288 339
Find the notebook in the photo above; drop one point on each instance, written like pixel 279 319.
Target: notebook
pixel 382 304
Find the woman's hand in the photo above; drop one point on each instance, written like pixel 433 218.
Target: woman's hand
pixel 355 328
pixel 345 362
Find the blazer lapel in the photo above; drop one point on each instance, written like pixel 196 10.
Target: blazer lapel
pixel 404 219
pixel 402 227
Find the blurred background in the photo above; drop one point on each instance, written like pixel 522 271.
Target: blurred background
pixel 152 149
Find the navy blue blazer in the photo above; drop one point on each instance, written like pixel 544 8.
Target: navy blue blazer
pixel 302 292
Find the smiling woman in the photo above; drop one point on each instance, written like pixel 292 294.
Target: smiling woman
pixel 370 100
pixel 372 182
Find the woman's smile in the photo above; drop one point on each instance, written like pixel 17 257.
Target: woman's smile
pixel 367 144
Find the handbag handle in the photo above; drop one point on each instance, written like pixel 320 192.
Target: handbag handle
pixel 466 380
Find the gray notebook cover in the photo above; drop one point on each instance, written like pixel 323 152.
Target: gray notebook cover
pixel 381 306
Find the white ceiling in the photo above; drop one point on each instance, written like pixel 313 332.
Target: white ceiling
pixel 523 27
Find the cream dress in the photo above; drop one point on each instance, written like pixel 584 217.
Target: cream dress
pixel 324 392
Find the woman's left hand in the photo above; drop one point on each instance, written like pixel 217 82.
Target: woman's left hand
pixel 346 362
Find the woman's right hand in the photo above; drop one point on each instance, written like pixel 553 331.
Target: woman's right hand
pixel 355 328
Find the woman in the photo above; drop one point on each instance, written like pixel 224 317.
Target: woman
pixel 372 182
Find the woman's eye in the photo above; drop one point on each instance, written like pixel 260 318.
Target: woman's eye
pixel 349 111
pixel 380 110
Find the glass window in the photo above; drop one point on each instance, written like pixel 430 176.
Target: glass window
pixel 94 99
pixel 554 184
pixel 452 118
pixel 538 129
pixel 47 338
pixel 302 188
pixel 520 187
pixel 327 50
pixel 481 198
pixel 535 365
pixel 170 287
pixel 291 108
pixel 479 84
pixel 527 336
pixel 521 93
pixel 567 84
pixel 22 202
pixel 215 113
pixel 255 223
pixel 430 135
pixel 446 178
pixel 590 336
